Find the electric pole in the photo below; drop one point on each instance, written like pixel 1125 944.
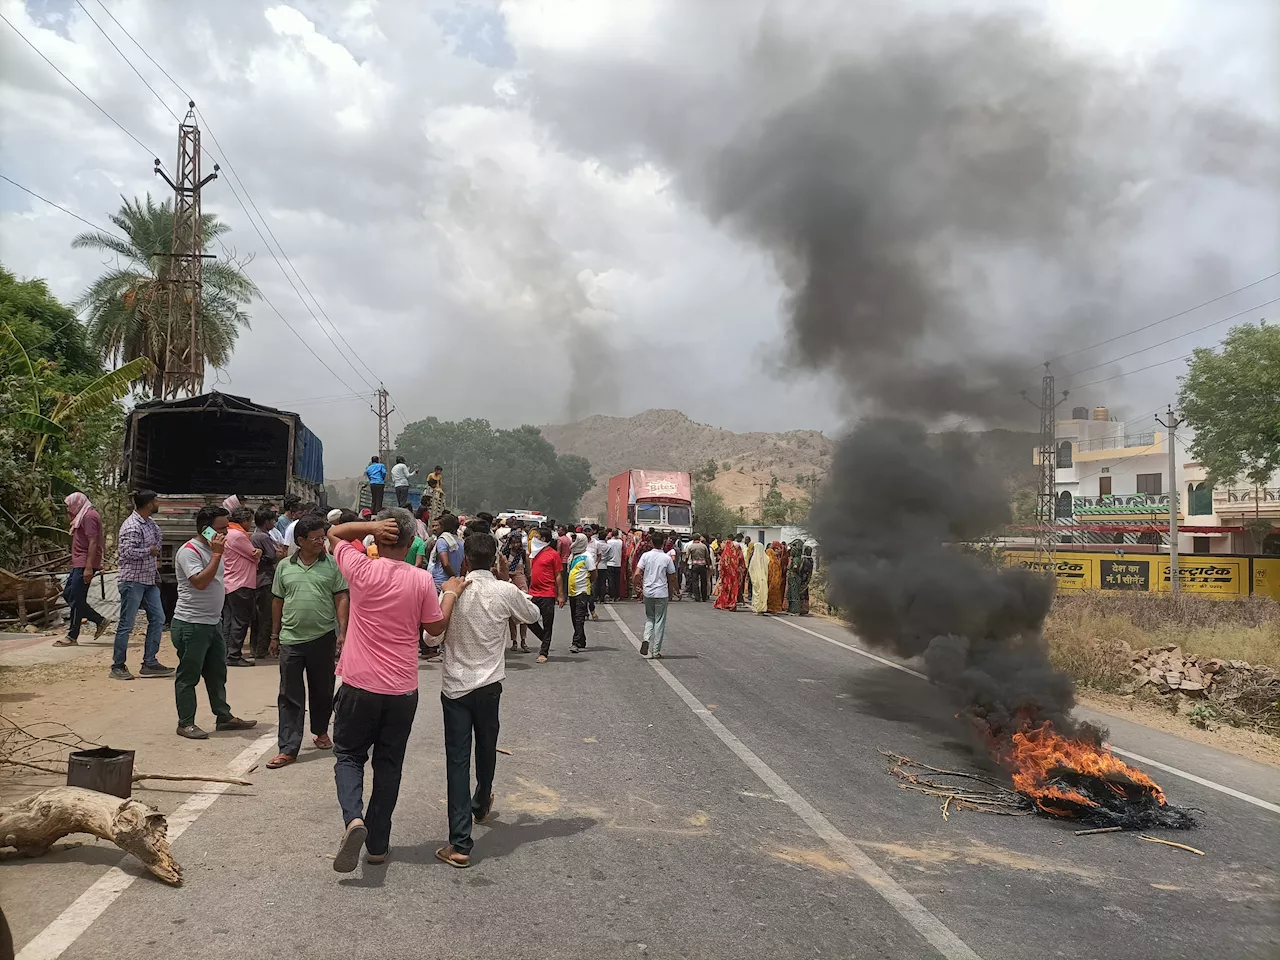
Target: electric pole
pixel 384 424
pixel 760 484
pixel 183 361
pixel 1047 479
pixel 1171 440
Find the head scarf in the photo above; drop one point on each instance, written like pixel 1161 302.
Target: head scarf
pixel 333 515
pixel 579 545
pixel 231 504
pixel 79 505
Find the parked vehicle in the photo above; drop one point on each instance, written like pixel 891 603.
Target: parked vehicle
pixel 640 499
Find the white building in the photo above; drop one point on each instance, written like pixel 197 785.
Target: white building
pixel 1113 487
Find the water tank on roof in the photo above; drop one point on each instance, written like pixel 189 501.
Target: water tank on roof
pixel 1079 413
pixel 1101 413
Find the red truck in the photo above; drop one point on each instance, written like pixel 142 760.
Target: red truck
pixel 640 499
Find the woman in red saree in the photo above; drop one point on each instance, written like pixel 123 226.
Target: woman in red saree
pixel 731 571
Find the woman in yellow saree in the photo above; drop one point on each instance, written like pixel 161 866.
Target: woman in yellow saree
pixel 777 578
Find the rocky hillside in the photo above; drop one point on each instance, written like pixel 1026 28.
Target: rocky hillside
pixel 668 440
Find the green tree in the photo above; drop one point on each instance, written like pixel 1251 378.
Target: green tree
pixel 127 305
pixel 495 470
pixel 705 473
pixel 710 514
pixel 60 419
pixel 1231 399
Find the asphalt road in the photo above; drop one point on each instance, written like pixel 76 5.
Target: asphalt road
pixel 727 803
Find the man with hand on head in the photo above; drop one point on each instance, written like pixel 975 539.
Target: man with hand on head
pixel 471 687
pixel 374 708
pixel 196 630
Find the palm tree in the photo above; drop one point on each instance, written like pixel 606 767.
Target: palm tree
pixel 127 305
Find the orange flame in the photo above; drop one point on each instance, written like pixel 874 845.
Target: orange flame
pixel 1037 755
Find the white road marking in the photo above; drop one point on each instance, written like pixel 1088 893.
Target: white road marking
pixel 908 907
pixel 1229 791
pixel 53 940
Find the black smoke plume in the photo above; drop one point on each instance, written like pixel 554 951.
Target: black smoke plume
pixel 893 522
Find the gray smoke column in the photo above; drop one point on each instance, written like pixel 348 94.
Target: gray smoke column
pixel 891 520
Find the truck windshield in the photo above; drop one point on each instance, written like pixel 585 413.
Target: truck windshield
pixel 678 516
pixel 648 514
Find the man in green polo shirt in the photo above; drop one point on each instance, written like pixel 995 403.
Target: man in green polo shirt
pixel 309 606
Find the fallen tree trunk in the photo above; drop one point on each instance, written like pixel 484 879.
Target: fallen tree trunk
pixel 34 824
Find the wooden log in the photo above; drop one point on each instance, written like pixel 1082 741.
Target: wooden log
pixel 34 824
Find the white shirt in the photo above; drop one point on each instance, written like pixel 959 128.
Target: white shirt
pixel 615 552
pixel 474 647
pixel 656 566
pixel 288 540
pixel 400 475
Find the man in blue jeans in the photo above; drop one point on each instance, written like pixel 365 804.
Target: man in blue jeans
pixel 138 550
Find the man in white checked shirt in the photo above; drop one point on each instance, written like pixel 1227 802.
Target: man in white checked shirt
pixel 473 650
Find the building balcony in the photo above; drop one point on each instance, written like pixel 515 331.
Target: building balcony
pixel 1112 448
pixel 1246 501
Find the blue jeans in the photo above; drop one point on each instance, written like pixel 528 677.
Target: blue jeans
pixel 76 593
pixel 132 596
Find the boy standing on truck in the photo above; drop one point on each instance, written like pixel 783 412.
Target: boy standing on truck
pixel 376 474
pixel 196 630
pixel 400 474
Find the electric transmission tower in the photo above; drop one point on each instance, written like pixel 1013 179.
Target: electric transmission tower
pixel 183 361
pixel 384 425
pixel 1047 473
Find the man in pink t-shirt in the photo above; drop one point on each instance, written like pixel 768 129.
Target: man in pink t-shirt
pixel 240 578
pixel 378 664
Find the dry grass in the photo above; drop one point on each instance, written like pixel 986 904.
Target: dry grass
pixel 1245 629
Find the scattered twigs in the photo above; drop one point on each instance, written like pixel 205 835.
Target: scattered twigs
pixel 238 781
pixel 1170 843
pixel 504 751
pixel 1087 833
pixel 996 799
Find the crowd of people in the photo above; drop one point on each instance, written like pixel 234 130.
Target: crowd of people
pixel 354 601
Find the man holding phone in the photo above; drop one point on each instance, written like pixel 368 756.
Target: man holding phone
pixel 196 629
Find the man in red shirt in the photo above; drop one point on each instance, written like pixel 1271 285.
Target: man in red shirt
pixel 546 582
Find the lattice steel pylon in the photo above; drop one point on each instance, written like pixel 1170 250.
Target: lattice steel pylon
pixel 384 425
pixel 1047 473
pixel 183 360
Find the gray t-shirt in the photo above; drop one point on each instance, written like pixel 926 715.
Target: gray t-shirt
pixel 197 606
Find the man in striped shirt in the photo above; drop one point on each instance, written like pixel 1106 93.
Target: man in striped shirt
pixel 137 550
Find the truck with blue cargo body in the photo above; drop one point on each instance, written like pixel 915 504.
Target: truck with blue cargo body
pixel 205 448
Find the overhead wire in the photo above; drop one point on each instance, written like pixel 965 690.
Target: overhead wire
pixel 69 213
pixel 151 153
pixel 127 60
pixel 1156 323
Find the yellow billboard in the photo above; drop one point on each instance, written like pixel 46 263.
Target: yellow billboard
pixel 1266 577
pixel 1217 576
pixel 1074 571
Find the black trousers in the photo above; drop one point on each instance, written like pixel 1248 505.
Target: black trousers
pixel 475 712
pixel 312 661
pixel 578 607
pixel 402 496
pixel 364 721
pixel 613 582
pixel 547 607
pixel 237 614
pixel 260 633
pixel 699 585
pixel 375 494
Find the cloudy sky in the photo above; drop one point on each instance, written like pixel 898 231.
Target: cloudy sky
pixel 540 209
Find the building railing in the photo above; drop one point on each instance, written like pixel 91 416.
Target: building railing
pixel 1118 443
pixel 1247 495
pixel 1122 503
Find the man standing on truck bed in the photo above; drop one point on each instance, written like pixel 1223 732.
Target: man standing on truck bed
pixel 376 474
pixel 400 474
pixel 196 630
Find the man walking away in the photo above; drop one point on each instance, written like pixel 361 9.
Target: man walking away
pixel 400 474
pixel 658 573
pixel 698 558
pixel 271 552
pixel 581 578
pixel 374 707
pixel 614 586
pixel 546 586
pixel 196 630
pixel 240 577
pixel 471 688
pixel 376 474
pixel 309 609
pixel 137 549
pixel 86 560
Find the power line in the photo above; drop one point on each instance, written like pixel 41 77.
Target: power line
pixel 1156 323
pixel 1126 356
pixel 126 59
pixel 142 48
pixel 1151 366
pixel 60 207
pixel 101 109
